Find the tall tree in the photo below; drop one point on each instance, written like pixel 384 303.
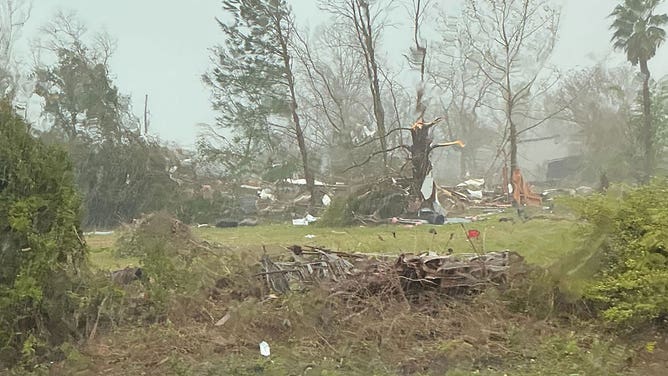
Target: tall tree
pixel 336 100
pixel 599 122
pixel 639 32
pixel 119 173
pixel 252 81
pixel 363 17
pixel 80 99
pixel 511 42
pixel 468 88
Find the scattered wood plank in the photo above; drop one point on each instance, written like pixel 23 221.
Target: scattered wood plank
pixel 414 273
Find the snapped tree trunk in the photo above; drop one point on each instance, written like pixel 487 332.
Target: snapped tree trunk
pixel 646 131
pixel 421 166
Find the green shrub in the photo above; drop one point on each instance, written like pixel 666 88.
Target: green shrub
pixel 630 231
pixel 41 254
pixel 341 212
pixel 382 200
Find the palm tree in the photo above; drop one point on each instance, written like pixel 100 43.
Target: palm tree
pixel 638 32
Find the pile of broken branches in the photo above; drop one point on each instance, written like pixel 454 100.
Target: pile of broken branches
pixel 373 274
pixel 460 272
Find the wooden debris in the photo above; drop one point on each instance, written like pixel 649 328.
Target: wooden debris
pixel 223 320
pixel 414 273
pixel 468 271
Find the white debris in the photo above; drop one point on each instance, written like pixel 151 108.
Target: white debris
pixel 427 186
pixel 299 222
pixel 310 218
pixel 103 233
pixel 264 349
pixel 326 200
pixel 266 194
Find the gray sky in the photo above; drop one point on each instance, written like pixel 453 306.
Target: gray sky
pixel 162 49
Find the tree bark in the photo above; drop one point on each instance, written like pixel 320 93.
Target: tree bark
pixel 299 132
pixel 646 132
pixel 512 137
pixel 513 146
pixel 365 36
pixel 421 165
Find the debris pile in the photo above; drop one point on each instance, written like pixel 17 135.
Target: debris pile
pixel 455 272
pixel 459 273
pixel 309 265
pixel 290 195
pixel 472 194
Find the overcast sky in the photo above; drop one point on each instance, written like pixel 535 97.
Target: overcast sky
pixel 163 49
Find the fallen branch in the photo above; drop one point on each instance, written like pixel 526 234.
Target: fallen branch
pixel 369 274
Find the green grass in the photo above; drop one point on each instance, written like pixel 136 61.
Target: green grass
pixel 103 253
pixel 540 241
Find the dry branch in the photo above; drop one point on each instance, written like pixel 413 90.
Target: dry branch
pixel 373 274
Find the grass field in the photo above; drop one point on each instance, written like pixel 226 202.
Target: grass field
pixel 315 333
pixel 540 241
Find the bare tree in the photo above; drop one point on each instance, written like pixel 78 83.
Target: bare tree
pixel 66 31
pixel 366 20
pixel 333 94
pixel 511 42
pixel 284 27
pixel 13 17
pixel 465 90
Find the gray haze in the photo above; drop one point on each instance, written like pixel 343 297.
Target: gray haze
pixel 163 48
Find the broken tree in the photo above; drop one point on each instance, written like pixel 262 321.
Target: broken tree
pixel 422 185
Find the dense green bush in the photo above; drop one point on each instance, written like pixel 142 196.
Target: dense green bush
pixel 630 229
pixel 41 254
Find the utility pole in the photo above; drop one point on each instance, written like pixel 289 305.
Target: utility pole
pixel 146 115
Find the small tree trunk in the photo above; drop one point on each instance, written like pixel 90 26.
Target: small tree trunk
pixel 646 131
pixel 299 132
pixel 365 36
pixel 513 146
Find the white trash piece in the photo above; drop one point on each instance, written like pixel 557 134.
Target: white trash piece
pixel 300 222
pixel 326 200
pixel 264 349
pixel 309 218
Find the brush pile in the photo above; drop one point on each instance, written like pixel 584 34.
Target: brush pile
pixel 373 273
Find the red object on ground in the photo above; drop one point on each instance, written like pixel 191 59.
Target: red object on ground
pixel 473 233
